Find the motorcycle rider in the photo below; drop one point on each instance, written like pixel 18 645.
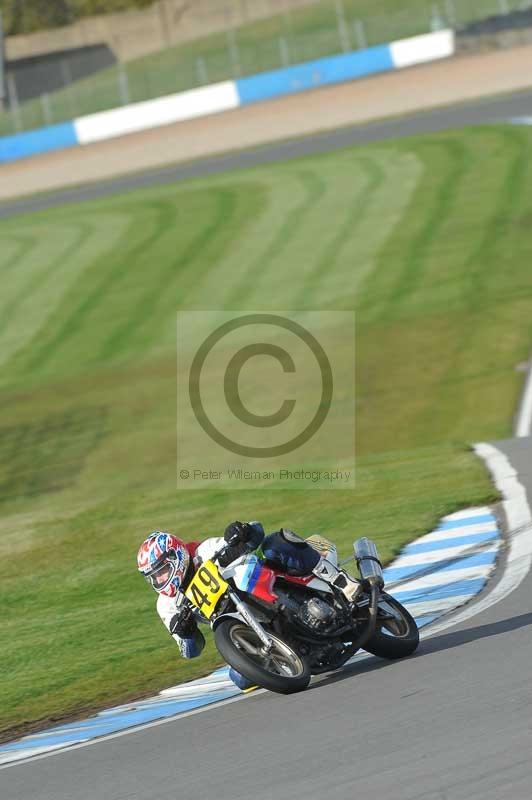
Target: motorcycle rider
pixel 168 564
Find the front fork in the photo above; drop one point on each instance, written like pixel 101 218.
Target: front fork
pixel 248 617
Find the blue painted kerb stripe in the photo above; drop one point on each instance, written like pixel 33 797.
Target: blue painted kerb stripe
pixel 312 74
pixel 29 143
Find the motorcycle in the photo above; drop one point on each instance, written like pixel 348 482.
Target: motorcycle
pixel 278 630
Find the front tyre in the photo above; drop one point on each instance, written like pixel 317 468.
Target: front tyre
pixel 280 670
pixel 394 638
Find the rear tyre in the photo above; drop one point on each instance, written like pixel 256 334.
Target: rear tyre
pixel 282 670
pixel 397 637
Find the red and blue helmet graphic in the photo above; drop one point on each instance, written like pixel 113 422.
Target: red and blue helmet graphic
pixel 163 559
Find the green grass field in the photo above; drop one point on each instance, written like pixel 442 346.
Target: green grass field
pixel 292 37
pixel 428 239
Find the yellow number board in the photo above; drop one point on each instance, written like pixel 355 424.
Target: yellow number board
pixel 206 588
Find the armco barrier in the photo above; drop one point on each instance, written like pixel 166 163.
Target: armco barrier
pixel 301 77
pixel 229 95
pixel 420 49
pixel 29 143
pixel 152 113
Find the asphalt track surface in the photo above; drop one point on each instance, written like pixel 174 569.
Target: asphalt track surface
pixel 480 112
pixel 453 722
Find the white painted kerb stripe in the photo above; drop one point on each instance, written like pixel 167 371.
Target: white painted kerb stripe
pixel 445 604
pixel 447 554
pixel 8 759
pixel 420 49
pixel 440 535
pixel 152 113
pixel 446 577
pixel 519 519
pixel 467 513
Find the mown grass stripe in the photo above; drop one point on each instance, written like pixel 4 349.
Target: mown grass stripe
pixel 36 281
pixel 13 258
pixel 437 206
pixel 116 267
pixel 212 244
pixel 327 261
pixel 344 178
pixel 261 267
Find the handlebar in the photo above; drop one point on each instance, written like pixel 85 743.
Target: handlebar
pixel 220 552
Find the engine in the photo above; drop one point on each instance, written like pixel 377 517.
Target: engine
pixel 317 614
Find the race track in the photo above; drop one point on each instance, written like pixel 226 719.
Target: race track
pixel 452 722
pixel 479 112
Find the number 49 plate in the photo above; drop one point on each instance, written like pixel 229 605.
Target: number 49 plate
pixel 206 588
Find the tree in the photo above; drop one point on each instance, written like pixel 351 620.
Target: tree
pixel 24 16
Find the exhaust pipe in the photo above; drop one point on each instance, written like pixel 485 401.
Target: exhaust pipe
pixel 368 563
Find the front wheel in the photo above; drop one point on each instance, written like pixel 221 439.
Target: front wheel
pixel 280 670
pixel 396 637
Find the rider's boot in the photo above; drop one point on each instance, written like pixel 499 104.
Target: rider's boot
pixel 337 577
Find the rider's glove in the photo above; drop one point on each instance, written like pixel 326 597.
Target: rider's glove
pixel 238 533
pixel 183 624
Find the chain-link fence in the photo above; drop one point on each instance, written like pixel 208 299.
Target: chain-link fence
pixel 236 52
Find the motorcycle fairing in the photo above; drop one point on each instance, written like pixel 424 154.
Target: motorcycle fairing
pixel 251 576
pixel 310 581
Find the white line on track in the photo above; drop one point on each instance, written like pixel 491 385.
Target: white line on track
pixel 519 519
pixel 523 422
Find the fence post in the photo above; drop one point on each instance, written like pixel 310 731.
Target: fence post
pixel 284 51
pixel 46 109
pixel 2 66
pixel 234 55
pixel 360 33
pixel 67 82
pixel 343 32
pixel 201 71
pixel 14 106
pixel 165 23
pixel 450 12
pixel 123 85
pixel 437 22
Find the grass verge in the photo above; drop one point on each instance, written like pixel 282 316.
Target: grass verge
pixel 427 238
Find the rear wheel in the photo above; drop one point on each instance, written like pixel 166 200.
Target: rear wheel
pixel 280 669
pixel 396 637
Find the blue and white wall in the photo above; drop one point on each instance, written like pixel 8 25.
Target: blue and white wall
pixel 229 95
